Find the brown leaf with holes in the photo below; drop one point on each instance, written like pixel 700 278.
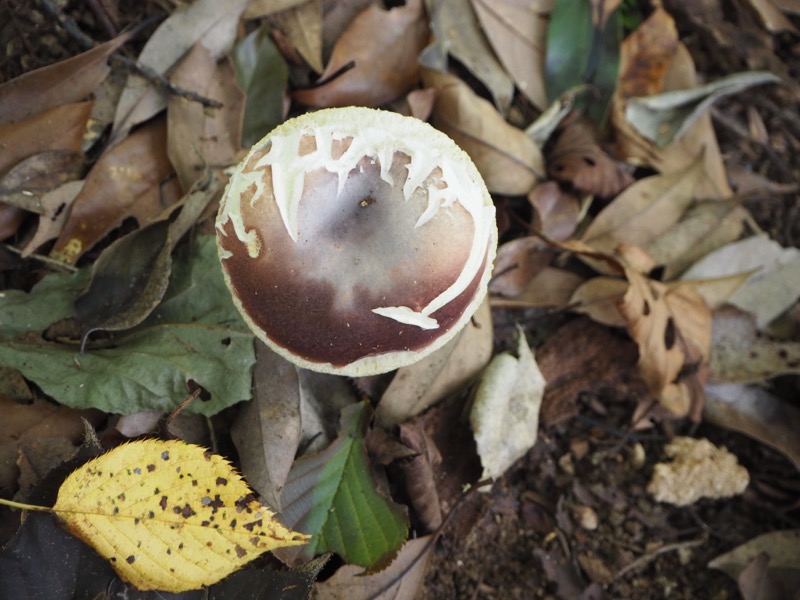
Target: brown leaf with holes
pixel 672 328
pixel 131 179
pixel 383 46
pixel 577 159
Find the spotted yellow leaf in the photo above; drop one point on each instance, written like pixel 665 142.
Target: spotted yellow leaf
pixel 169 516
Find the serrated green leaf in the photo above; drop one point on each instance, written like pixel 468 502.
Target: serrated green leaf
pixel 262 73
pixel 579 54
pixel 332 496
pixel 196 334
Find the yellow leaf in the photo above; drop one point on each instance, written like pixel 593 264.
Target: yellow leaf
pixel 169 516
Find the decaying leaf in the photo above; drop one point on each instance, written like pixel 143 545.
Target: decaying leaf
pixel 576 158
pixel 556 212
pixel 517 263
pixel 332 495
pixel 505 412
pixel 168 515
pixel 740 354
pixel 302 25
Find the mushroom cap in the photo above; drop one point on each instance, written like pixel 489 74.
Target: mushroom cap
pixel 356 241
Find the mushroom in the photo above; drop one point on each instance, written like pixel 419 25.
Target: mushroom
pixel 356 241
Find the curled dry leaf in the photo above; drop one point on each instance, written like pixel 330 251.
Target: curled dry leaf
pixel 418 475
pixel 557 212
pixel 517 263
pixel 550 288
pixel 154 508
pixel 509 161
pixel 576 158
pixel 302 25
pixel 383 46
pixel 672 328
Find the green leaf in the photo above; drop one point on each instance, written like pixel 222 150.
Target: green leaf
pixel 332 496
pixel 578 54
pixel 262 73
pixel 196 334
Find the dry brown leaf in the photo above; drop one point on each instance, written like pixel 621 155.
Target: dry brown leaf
pixel 418 473
pixel 556 212
pixel 599 299
pixel 56 205
pixel 653 61
pixel 419 386
pixel 131 179
pixel 517 32
pixel 576 158
pixel 24 185
pixel 65 82
pixel 672 328
pixel 645 210
pixel 550 288
pixel 517 263
pixel 302 25
pixel 384 64
pixel 401 580
pixel 509 161
pixel 420 103
pixel 198 138
pixel 59 128
pixel 716 291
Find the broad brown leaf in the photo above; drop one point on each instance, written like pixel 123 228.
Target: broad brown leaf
pixel 383 46
pixel 129 180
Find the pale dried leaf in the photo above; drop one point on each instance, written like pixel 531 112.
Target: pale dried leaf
pixel 703 228
pixel 211 22
pixel 741 354
pixel 771 16
pixel 445 371
pixel 302 25
pixel 509 161
pixel 517 33
pixel 645 210
pixel 257 9
pixel 57 205
pixel 505 412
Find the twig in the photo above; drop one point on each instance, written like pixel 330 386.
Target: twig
pixel 158 80
pixel 45 259
pixel 647 558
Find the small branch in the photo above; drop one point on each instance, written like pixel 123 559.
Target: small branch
pixel 643 560
pixel 158 80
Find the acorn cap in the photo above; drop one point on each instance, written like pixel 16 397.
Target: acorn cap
pixel 356 241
